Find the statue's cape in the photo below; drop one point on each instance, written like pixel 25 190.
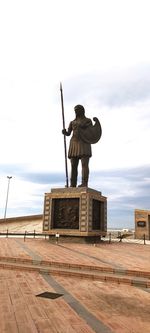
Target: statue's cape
pixel 92 133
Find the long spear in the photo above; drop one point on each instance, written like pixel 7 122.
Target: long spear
pixel 65 145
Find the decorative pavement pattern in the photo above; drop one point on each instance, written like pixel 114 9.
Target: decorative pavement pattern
pixel 103 288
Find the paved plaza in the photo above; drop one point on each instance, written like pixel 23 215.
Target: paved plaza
pixel 103 288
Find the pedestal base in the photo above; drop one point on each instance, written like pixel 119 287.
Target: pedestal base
pixel 75 213
pixel 75 239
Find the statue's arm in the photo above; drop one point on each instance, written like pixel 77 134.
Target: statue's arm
pixel 67 132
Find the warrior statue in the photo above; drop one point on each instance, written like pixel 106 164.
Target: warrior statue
pixel 84 134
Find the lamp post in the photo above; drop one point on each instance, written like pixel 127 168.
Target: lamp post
pixel 9 178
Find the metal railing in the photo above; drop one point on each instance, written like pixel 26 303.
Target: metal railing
pixel 125 238
pixel 24 234
pixel 109 237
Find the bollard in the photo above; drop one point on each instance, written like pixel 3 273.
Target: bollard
pixel 109 237
pixel 25 236
pixel 7 233
pixel 144 239
pixel 57 237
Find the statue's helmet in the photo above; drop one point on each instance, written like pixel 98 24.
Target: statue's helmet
pixel 79 109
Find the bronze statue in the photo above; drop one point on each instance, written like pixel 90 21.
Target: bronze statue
pixel 84 134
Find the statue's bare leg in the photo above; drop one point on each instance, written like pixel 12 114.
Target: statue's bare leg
pixel 85 171
pixel 74 171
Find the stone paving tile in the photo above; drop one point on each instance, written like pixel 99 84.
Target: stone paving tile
pixel 126 256
pixel 121 255
pixel 28 327
pixel 28 313
pixel 10 248
pixel 8 327
pixel 123 309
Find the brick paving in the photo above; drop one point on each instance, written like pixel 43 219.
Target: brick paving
pixel 87 305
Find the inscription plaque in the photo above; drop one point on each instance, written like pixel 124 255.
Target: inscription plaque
pixel 65 213
pixel 141 224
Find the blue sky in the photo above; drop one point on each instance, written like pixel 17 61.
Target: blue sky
pixel 100 51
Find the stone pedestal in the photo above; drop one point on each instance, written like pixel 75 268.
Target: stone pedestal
pixel 75 212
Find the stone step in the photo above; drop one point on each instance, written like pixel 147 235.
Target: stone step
pixel 80 271
pixel 107 269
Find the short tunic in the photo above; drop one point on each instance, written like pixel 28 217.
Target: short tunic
pixel 79 148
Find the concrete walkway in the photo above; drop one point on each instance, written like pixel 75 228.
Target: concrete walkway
pixel 87 303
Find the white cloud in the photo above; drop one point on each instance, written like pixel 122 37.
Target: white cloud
pixel 43 42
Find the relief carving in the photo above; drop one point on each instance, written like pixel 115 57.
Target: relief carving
pixel 66 213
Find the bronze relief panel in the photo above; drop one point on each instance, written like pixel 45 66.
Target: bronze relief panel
pixel 65 213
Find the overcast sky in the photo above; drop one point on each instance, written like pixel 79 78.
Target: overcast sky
pixel 100 51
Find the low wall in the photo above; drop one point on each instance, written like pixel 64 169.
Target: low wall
pixel 19 219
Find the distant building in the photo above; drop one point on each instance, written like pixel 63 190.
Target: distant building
pixel 142 223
